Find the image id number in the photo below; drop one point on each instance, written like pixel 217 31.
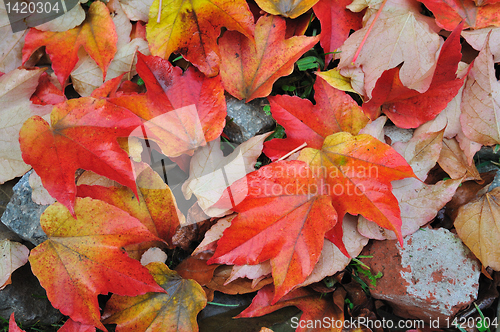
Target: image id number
pixel 474 322
pixel 32 7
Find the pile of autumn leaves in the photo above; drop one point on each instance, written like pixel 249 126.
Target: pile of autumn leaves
pixel 292 219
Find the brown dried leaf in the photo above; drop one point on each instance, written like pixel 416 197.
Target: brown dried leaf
pixel 454 162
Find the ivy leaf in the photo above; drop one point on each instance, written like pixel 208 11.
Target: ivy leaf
pixel 12 324
pixel 181 111
pixel 83 257
pixel 173 310
pixel 83 134
pixel 96 35
pixel 154 207
pixel 191 28
pixel 249 68
pixel 333 112
pixel 314 306
pixel 408 108
pixel 281 196
pixel 286 8
pixel 357 172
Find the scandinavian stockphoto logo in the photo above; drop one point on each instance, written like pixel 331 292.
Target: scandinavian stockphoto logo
pixel 28 14
pixel 211 173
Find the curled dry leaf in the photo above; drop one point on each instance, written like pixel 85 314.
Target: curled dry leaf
pixel 11 43
pixel 211 173
pixel 220 283
pixel 478 224
pixel 286 8
pixel 39 194
pixel 153 254
pixel 16 88
pixel 480 101
pixel 214 234
pixel 477 39
pixel 454 162
pixel 13 255
pixel 384 49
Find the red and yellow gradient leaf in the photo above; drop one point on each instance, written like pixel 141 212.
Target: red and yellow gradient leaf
pixel 333 112
pixel 155 207
pixel 336 23
pixel 191 28
pixel 181 111
pixel 83 257
pixel 450 13
pixel 286 8
pixel 408 108
pixel 83 134
pixel 96 35
pixel 357 172
pixel 13 325
pixel 283 217
pixel 314 306
pixel 249 68
pixel 174 310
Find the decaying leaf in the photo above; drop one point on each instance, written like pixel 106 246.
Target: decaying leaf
pixel 16 89
pixel 83 257
pixel 13 255
pixel 477 224
pixel 175 309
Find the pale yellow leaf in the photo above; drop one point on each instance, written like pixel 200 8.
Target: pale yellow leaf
pixel 286 8
pixel 335 79
pixel 478 225
pixel 13 255
pixel 39 194
pixel 72 18
pixel 16 88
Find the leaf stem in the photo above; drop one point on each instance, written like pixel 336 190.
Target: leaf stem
pixel 223 305
pixel 303 145
pixel 159 12
pixel 355 57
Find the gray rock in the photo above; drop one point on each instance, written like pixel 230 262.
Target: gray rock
pixel 22 215
pixel 27 299
pixel 245 120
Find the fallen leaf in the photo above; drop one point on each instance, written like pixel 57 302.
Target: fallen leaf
pixel 336 80
pixel 286 8
pixel 358 171
pixel 214 234
pixel 83 134
pixel 332 260
pixel 477 224
pixel 191 28
pixel 333 112
pixel 12 324
pixel 13 255
pixel 409 108
pixel 385 49
pixel 211 173
pixel 220 282
pixel 480 100
pixel 256 273
pixel 298 206
pixel 96 35
pixel 136 10
pixel 90 245
pixel 195 267
pixel 477 39
pixel 314 307
pixel 454 162
pixel 249 68
pixel 450 13
pixel 419 203
pixel 336 23
pixel 154 205
pixel 153 254
pixel 173 310
pixel 67 21
pixel 72 326
pixel 16 88
pixel 39 194
pixel 181 111
pixel 47 93
pixel 11 44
